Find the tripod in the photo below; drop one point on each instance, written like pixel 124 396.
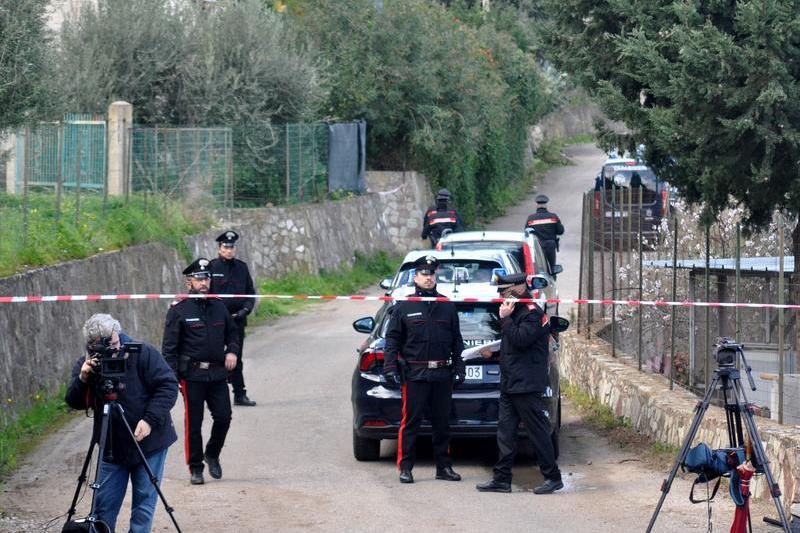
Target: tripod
pixel 735 403
pixel 110 405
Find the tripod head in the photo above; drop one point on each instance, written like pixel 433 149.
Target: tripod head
pixel 726 353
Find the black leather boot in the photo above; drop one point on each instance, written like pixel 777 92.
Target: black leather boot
pixel 242 399
pixel 406 477
pixel 494 486
pixel 197 475
pixel 214 468
pixel 550 485
pixel 447 473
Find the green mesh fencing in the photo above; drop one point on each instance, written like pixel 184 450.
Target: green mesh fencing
pixel 67 154
pixel 246 166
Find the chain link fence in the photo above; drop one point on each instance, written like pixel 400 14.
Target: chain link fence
pixel 630 251
pixel 59 176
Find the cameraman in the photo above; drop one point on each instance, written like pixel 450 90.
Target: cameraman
pixel 147 392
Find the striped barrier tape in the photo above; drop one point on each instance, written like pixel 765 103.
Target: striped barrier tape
pixel 358 297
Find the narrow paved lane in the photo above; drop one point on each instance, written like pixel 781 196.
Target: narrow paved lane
pixel 288 463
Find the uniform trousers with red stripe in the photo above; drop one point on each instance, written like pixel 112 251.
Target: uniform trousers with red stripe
pixel 420 397
pixel 196 394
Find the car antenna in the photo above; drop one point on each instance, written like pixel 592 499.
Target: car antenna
pixel 452 248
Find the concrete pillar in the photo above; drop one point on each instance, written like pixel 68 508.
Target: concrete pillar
pixel 8 149
pixel 120 119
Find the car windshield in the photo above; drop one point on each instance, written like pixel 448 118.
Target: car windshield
pixel 479 323
pixel 623 174
pixel 465 271
pixel 513 249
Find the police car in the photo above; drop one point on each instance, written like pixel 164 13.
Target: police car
pixel 523 247
pixel 474 411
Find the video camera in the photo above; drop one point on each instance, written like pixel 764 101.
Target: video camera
pixel 726 350
pixel 113 360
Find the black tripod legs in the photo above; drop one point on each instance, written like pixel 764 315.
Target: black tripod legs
pixel 666 485
pixel 153 478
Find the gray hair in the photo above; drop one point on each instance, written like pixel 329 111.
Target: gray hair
pixel 100 325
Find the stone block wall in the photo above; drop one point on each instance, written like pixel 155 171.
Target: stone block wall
pixel 39 342
pixel 664 415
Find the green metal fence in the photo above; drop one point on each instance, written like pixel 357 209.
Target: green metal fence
pixel 247 166
pixel 67 154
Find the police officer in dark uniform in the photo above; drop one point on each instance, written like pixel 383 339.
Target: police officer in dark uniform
pixel 440 218
pixel 201 344
pixel 524 354
pixel 231 276
pixel 547 226
pixel 423 340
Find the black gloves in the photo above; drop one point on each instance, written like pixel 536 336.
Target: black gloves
pixel 458 378
pixel 240 314
pixel 393 378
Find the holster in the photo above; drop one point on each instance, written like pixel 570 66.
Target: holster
pixel 184 361
pixel 402 366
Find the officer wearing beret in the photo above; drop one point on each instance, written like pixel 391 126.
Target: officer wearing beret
pixel 440 218
pixel 547 226
pixel 201 344
pixel 524 355
pixel 231 276
pixel 427 336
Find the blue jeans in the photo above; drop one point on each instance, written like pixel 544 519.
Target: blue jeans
pixel 113 481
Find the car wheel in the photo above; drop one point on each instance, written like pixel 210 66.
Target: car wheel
pixel 366 449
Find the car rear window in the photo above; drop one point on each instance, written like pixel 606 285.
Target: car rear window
pixel 471 272
pixel 479 322
pixel 625 173
pixel 513 249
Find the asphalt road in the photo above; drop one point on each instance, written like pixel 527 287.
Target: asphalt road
pixel 288 463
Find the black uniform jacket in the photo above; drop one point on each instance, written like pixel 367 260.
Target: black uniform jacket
pixel 524 351
pixel 147 392
pixel 547 225
pixel 232 277
pixel 424 331
pixel 437 220
pixel 203 330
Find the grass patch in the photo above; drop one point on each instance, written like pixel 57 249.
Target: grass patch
pixel 52 234
pixel 619 430
pixel 345 280
pixel 598 415
pixel 21 434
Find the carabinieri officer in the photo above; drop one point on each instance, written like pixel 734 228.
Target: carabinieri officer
pixel 230 275
pixel 428 336
pixel 201 344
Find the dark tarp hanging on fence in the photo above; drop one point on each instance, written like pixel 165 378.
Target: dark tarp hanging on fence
pixel 347 161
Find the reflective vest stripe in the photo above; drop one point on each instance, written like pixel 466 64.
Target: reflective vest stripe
pixel 543 221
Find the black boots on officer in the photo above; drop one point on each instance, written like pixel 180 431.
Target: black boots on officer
pixel 446 473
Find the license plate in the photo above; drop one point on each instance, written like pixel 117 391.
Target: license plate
pixel 617 214
pixel 474 372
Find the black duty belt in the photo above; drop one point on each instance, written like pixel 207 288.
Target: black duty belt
pixel 433 364
pixel 205 365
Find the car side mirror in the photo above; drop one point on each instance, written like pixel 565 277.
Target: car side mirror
pixel 558 324
pixel 557 269
pixel 538 282
pixel 364 325
pixel 386 283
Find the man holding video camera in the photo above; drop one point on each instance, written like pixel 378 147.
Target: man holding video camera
pixel 147 391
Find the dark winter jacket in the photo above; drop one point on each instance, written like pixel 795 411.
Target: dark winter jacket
pixel 147 392
pixel 424 331
pixel 233 277
pixel 202 330
pixel 524 351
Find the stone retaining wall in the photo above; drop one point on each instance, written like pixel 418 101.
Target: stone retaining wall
pixel 40 342
pixel 664 415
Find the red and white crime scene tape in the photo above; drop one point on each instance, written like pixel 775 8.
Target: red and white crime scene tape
pixel 358 297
